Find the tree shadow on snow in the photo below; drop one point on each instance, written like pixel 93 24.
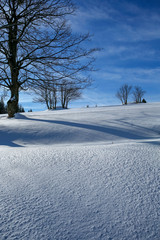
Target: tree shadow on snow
pixel 128 131
pixel 7 139
pixel 156 143
pixel 125 131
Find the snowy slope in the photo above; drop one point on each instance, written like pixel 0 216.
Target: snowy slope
pixel 103 124
pixel 81 174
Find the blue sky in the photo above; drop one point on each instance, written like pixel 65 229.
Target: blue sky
pixel 129 34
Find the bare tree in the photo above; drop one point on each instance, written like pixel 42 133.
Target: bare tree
pixel 123 93
pixel 35 36
pixel 138 93
pixel 69 93
pixel 47 94
pixel 52 94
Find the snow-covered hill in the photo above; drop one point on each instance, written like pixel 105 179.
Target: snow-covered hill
pixel 90 125
pixel 81 174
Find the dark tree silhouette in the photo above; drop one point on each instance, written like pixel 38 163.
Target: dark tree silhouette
pixel 2 106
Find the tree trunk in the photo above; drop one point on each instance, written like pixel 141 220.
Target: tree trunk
pixel 66 105
pixel 12 104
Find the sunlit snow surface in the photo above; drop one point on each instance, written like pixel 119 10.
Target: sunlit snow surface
pixel 81 174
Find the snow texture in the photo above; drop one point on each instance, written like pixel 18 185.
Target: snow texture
pixel 81 174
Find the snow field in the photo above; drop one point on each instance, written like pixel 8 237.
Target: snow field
pixel 82 126
pixel 78 192
pixel 86 174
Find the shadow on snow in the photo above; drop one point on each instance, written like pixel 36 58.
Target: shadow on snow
pixel 128 131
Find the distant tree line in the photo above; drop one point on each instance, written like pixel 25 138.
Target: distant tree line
pixel 126 90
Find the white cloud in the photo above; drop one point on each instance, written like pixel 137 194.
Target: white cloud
pixel 112 78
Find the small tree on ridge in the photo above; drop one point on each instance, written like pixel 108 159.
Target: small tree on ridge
pixel 123 93
pixel 138 93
